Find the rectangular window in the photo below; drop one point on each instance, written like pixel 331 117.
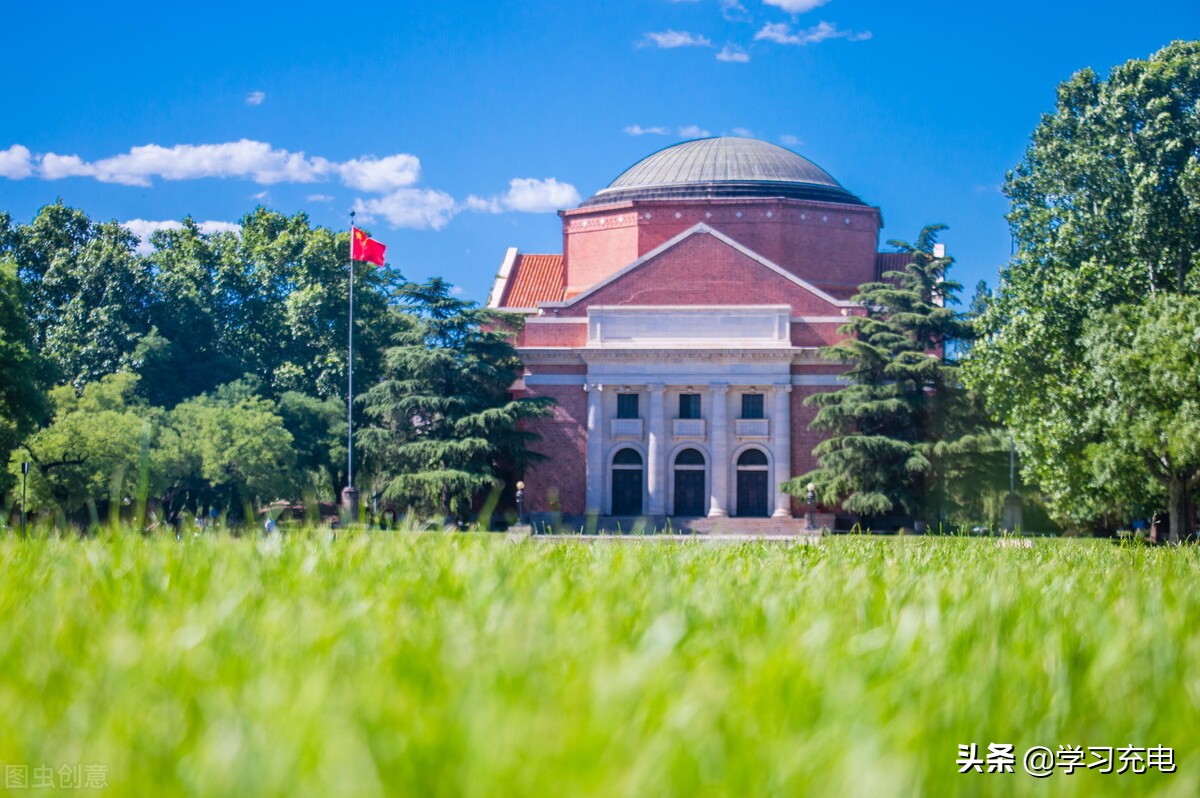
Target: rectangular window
pixel 752 405
pixel 627 405
pixel 689 405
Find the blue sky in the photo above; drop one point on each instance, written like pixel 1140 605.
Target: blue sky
pixel 459 126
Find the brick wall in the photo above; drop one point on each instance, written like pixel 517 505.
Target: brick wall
pixel 564 441
pixel 804 440
pixel 553 335
pixel 830 245
pixel 702 270
pixel 816 333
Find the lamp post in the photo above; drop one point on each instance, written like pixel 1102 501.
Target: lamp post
pixel 811 515
pixel 520 502
pixel 24 480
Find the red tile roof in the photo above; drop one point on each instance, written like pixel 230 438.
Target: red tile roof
pixel 534 279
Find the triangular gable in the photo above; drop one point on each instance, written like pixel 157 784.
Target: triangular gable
pixel 701 229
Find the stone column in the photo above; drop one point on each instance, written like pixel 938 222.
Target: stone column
pixel 719 476
pixel 594 501
pixel 656 453
pixel 781 448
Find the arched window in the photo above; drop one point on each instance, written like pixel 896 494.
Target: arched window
pixel 627 457
pixel 689 457
pixel 752 457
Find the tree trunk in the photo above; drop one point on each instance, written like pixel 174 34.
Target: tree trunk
pixel 1177 503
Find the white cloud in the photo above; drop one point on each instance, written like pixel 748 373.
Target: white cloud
pixel 733 11
pixel 777 32
pixel 638 130
pixel 420 209
pixel 256 161
pixel 674 38
pixel 15 162
pixel 143 228
pixel 744 132
pixel 456 290
pixel 253 160
pixel 484 204
pixel 527 195
pixel 734 54
pixel 210 227
pixel 261 196
pixel 319 198
pixel 381 175
pixel 795 6
pixel 789 139
pixel 54 167
pixel 693 132
pixel 255 98
pixel 781 33
pixel 530 195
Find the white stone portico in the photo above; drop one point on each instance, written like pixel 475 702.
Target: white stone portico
pixel 659 353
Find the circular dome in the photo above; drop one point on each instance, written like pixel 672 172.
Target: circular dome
pixel 723 167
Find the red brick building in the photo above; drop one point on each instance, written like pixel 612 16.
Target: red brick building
pixel 679 328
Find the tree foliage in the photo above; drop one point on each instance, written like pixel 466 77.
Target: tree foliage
pixel 900 428
pixel 233 451
pixel 191 312
pixel 107 445
pixel 1143 366
pixel 442 424
pixel 200 309
pixel 23 373
pixel 1105 211
pixel 99 447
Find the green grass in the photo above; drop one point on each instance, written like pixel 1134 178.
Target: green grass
pixel 446 665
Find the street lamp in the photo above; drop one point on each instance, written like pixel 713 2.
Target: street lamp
pixel 811 516
pixel 520 502
pixel 24 480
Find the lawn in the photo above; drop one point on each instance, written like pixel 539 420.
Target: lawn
pixel 463 664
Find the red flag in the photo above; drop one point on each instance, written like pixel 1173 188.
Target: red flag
pixel 364 248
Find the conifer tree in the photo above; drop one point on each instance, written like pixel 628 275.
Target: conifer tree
pixel 900 423
pixel 442 425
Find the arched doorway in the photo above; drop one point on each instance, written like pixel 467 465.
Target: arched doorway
pixel 690 496
pixel 627 483
pixel 753 484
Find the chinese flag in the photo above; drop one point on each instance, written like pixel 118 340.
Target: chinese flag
pixel 364 248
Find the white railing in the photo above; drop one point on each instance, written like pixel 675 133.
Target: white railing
pixel 751 428
pixel 689 428
pixel 627 428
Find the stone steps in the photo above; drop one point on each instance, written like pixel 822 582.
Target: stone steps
pixel 755 527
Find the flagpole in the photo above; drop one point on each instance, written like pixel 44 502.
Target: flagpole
pixel 350 495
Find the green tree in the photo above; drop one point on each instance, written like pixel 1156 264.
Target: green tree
pixel 442 426
pixel 1144 376
pixel 898 429
pixel 99 447
pixel 1105 211
pixel 88 291
pixel 318 429
pixel 202 309
pixel 23 373
pixel 233 451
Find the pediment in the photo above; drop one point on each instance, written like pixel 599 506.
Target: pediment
pixel 701 267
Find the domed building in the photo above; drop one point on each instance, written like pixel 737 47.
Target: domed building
pixel 679 331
